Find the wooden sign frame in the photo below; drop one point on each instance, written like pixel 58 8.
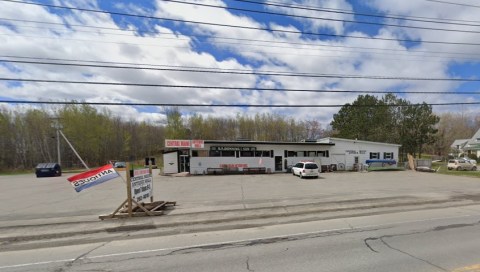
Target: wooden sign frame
pixel 127 208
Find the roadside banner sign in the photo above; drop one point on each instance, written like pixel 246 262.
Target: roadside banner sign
pixel 93 177
pixel 141 184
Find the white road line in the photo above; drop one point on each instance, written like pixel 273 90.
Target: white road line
pixel 232 242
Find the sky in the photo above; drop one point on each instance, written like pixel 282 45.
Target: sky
pixel 244 45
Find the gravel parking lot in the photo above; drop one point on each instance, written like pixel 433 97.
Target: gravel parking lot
pixel 26 197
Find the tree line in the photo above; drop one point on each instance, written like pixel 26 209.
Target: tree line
pixel 414 126
pixel 260 127
pixel 28 137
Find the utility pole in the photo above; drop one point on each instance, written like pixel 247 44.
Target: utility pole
pixel 56 124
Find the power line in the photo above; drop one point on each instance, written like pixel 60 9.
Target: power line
pixel 222 87
pixel 284 74
pixel 456 4
pixel 242 27
pixel 446 58
pixel 265 43
pixel 343 11
pixel 118 64
pixel 321 18
pixel 224 105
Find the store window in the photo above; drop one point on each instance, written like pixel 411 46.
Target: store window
pixel 291 154
pixel 323 154
pixel 388 155
pixel 215 153
pixel 228 153
pixel 247 153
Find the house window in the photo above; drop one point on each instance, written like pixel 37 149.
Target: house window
pixel 388 155
pixel 374 155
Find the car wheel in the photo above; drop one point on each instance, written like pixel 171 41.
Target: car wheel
pixel 300 175
pixel 474 168
pixel 449 168
pixel 293 172
pixel 459 168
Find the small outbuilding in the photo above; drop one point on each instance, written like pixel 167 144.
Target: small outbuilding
pixel 51 169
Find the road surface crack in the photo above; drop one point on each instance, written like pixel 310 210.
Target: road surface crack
pixel 69 264
pixel 366 242
pixel 412 256
pixel 247 262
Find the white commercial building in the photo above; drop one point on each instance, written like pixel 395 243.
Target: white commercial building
pixel 354 152
pixel 210 156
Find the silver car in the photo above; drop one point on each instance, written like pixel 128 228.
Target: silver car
pixel 305 169
pixel 461 164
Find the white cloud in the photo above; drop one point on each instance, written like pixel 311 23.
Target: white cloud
pixel 328 20
pixel 282 52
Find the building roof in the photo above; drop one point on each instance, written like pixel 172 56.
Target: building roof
pixel 460 143
pixel 474 142
pixel 243 142
pixel 332 140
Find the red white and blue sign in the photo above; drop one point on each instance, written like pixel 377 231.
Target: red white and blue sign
pixel 93 177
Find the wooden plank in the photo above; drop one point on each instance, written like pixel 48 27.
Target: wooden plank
pixel 141 207
pixel 129 189
pixel 159 206
pixel 126 215
pixel 411 162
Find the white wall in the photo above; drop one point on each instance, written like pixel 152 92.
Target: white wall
pixel 199 165
pixel 360 149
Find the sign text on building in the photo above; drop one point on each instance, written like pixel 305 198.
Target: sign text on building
pixel 233 148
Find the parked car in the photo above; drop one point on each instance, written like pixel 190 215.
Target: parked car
pixel 461 164
pixel 120 164
pixel 305 169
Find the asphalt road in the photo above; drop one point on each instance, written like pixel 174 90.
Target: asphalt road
pixel 427 240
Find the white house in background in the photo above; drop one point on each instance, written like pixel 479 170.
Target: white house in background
pixel 468 146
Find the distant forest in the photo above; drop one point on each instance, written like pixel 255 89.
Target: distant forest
pixel 28 137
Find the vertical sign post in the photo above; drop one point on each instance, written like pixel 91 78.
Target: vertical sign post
pixel 151 175
pixel 129 189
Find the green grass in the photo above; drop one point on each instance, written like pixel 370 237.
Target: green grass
pixel 17 172
pixel 445 171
